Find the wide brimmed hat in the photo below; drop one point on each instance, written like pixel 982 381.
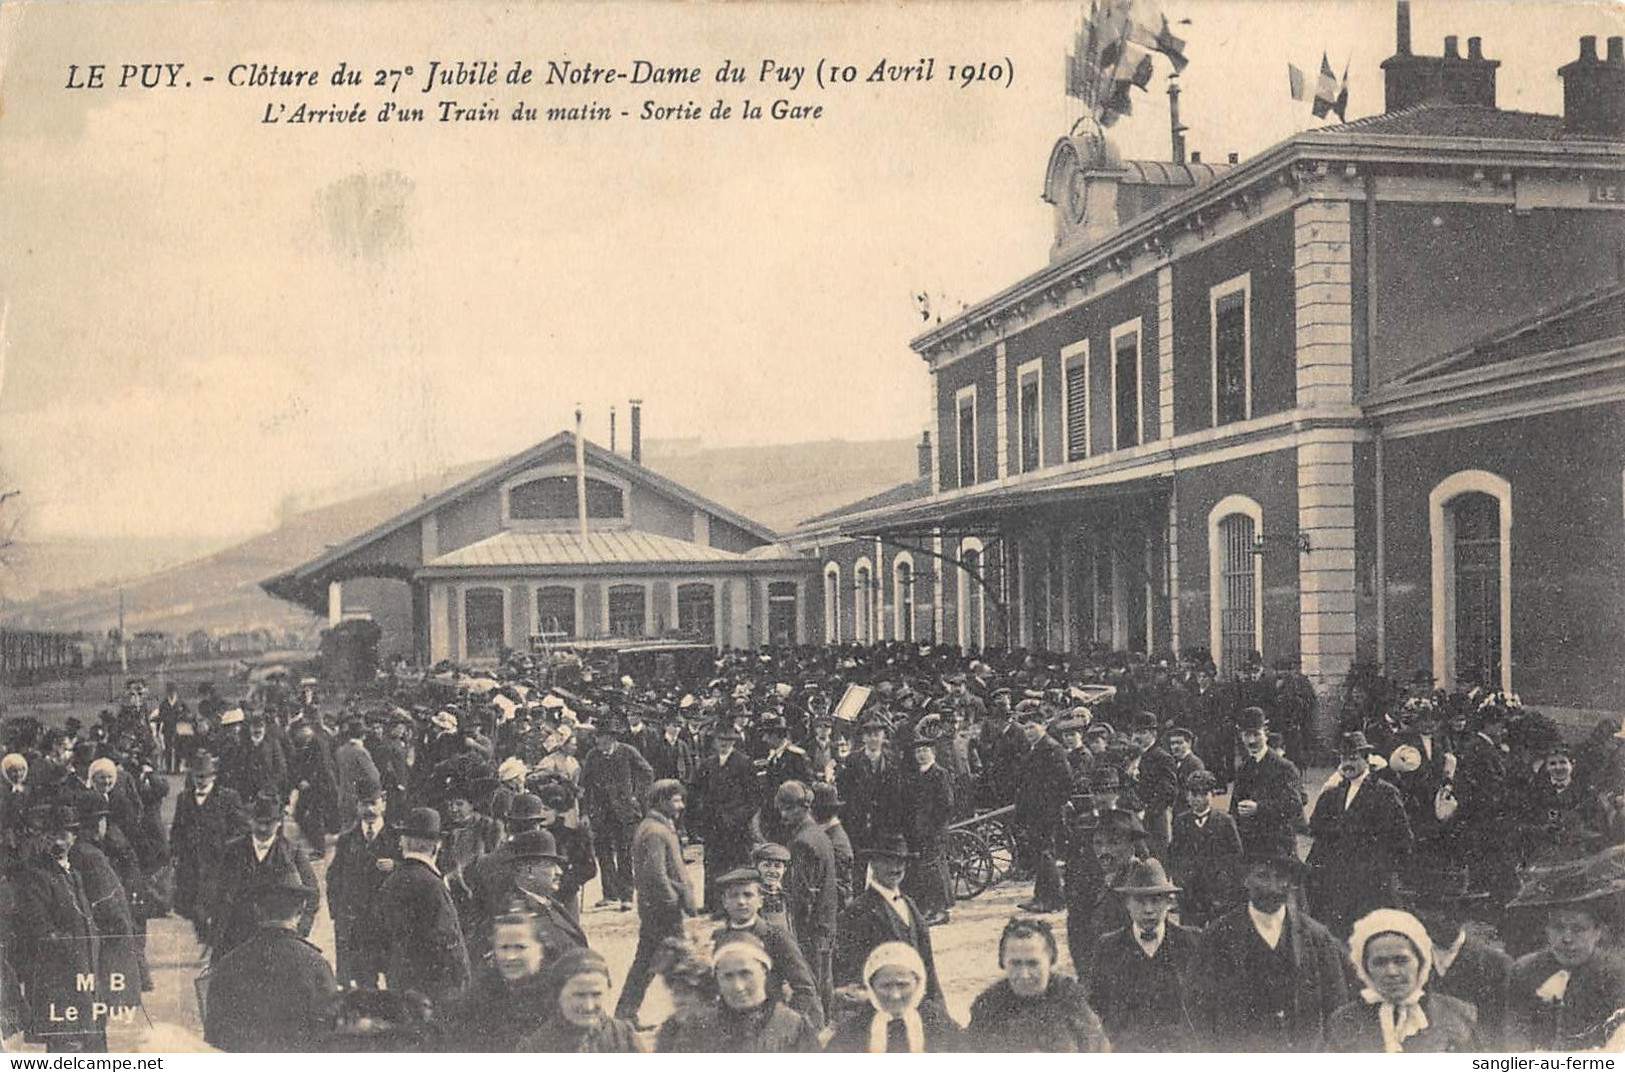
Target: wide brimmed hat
pixel 526 807
pixel 1121 822
pixel 894 845
pixel 1594 882
pixel 826 795
pixel 52 818
pixel 1144 877
pixel 1354 744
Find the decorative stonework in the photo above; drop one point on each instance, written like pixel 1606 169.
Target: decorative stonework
pixel 1165 353
pixel 1324 301
pixel 1002 418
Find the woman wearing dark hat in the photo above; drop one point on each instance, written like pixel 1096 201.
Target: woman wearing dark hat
pixel 1396 1012
pixel 1563 996
pixel 582 1023
pixel 1035 1008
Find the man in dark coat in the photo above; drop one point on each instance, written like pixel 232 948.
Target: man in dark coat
pixel 1043 784
pixel 870 783
pixel 782 762
pixel 256 859
pixel 388 753
pixel 532 891
pixel 881 912
pixel 352 767
pixel 1481 823
pixel 364 857
pixel 811 886
pixel 259 764
pixel 207 816
pixel 418 926
pixel 669 753
pixel 1420 763
pixel 928 804
pixel 311 773
pixel 1265 802
pixel 1140 972
pixel 1156 783
pixel 575 842
pixel 1103 846
pixel 1205 855
pixel 724 801
pixel 1465 966
pixel 614 777
pixel 1362 841
pixel 54 939
pixel 273 993
pixel 1267 977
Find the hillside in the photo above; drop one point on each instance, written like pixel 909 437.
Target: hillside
pixel 776 485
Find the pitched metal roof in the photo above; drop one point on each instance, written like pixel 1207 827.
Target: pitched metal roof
pixel 902 493
pixel 562 549
pixel 1441 120
pixel 1591 317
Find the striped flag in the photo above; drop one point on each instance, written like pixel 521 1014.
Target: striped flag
pixel 1296 82
pixel 1341 105
pixel 1325 89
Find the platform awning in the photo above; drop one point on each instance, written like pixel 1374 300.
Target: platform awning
pixel 990 510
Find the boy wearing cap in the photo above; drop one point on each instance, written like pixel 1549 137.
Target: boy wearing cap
pixel 1205 855
pixel 741 891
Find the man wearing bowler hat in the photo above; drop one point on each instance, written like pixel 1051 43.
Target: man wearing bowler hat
pixel 262 855
pixel 1043 785
pixel 614 777
pixel 1139 979
pixel 1362 840
pixel 274 992
pixel 207 816
pixel 1265 801
pixel 364 856
pixel 870 784
pixel 1267 977
pixel 53 938
pixel 533 890
pixel 724 801
pixel 422 941
pixel 883 913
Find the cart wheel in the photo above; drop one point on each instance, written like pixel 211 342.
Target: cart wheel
pixel 970 864
pixel 996 835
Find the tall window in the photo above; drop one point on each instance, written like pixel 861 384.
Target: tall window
pixel 972 620
pixel 1030 379
pixel 1126 385
pixel 832 604
pixel 782 613
pixel 965 404
pixel 1075 358
pixel 1232 350
pixel 484 622
pixel 556 610
pixel 697 611
pixel 627 606
pixel 1470 522
pixel 903 596
pixel 1235 581
pixel 863 602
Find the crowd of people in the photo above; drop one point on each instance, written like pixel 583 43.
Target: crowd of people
pixel 1461 888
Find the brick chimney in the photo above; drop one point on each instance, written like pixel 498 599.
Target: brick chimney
pixel 636 405
pixel 924 452
pixel 1594 90
pixel 1451 78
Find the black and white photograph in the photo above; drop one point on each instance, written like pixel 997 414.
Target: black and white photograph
pixel 1084 526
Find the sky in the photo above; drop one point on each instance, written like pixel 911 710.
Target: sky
pixel 202 314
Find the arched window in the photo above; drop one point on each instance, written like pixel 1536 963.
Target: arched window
pixel 863 602
pixel 1235 581
pixel 902 574
pixel 553 498
pixel 972 605
pixel 1470 525
pixel 485 623
pixel 832 603
pixel 556 611
pixel 628 607
pixel 697 611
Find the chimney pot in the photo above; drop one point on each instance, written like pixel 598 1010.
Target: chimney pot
pixel 1451 52
pixel 1235 158
pixel 636 405
pixel 1402 28
pixel 1475 48
pixel 612 429
pixel 1616 50
pixel 1588 49
pixel 924 455
pixel 1594 92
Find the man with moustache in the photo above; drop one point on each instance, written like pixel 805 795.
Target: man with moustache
pixel 363 858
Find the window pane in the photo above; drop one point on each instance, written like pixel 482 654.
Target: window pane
pixel 967 444
pixel 626 607
pixel 1230 357
pixel 1237 591
pixel 554 498
pixel 1077 415
pixel 1127 357
pixel 1478 590
pixel 1029 426
pixel 556 611
pixel 483 622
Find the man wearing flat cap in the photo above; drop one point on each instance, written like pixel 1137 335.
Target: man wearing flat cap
pixel 742 902
pixel 1267 977
pixel 1362 840
pixel 263 855
pixel 811 886
pixel 1156 781
pixel 1205 855
pixel 419 929
pixel 274 992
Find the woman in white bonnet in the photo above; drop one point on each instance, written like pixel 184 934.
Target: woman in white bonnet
pixel 899 1020
pixel 1394 1013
